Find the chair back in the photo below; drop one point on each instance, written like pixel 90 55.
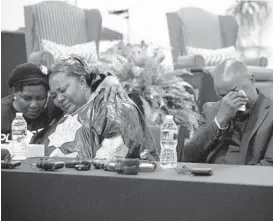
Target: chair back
pixel 196 27
pixel 61 23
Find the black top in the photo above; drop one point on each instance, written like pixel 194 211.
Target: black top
pixel 234 135
pixel 8 113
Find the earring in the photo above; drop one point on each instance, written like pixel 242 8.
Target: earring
pixel 87 94
pixel 14 98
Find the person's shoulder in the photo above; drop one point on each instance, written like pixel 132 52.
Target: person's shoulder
pixel 210 110
pixel 209 106
pixel 7 114
pixel 7 101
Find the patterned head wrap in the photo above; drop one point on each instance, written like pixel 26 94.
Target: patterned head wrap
pixel 77 65
pixel 71 64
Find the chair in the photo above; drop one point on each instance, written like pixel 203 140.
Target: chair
pixel 198 28
pixel 61 23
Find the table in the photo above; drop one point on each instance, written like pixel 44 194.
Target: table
pixel 242 193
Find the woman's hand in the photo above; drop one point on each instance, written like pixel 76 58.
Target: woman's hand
pixel 112 88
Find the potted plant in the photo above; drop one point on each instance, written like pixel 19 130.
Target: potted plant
pixel 156 89
pixel 252 17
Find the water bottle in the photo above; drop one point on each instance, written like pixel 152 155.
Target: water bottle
pixel 18 135
pixel 168 142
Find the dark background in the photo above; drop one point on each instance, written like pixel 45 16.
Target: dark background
pixel 13 53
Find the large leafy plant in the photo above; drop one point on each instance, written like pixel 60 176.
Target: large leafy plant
pixel 251 17
pixel 161 90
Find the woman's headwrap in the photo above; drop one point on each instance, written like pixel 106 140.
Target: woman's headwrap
pixel 77 65
pixel 71 64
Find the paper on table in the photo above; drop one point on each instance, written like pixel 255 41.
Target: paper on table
pixel 32 150
pixel 35 150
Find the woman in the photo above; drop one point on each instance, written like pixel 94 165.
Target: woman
pixel 92 127
pixel 29 82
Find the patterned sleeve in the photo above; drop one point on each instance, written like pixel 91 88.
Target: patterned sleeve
pixel 114 119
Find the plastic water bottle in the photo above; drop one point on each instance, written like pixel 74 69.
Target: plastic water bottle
pixel 18 135
pixel 168 142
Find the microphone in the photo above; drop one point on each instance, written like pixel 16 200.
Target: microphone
pixel 49 165
pixel 5 154
pixel 82 165
pixel 8 164
pixel 6 160
pixel 72 164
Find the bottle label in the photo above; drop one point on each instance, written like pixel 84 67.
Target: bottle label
pixel 168 134
pixel 19 150
pixel 19 131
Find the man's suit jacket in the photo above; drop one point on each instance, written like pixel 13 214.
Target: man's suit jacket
pixel 256 143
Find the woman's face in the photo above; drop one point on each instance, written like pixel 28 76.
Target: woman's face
pixel 68 92
pixel 31 100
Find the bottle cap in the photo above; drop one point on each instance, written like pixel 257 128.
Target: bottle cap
pixel 19 114
pixel 169 117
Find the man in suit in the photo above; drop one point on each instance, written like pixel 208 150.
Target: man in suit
pixel 230 136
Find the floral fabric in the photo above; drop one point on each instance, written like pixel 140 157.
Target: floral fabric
pixel 85 130
pixel 157 89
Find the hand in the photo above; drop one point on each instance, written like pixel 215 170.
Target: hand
pixel 112 87
pixel 229 106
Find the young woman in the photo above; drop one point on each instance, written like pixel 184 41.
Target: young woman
pixel 92 127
